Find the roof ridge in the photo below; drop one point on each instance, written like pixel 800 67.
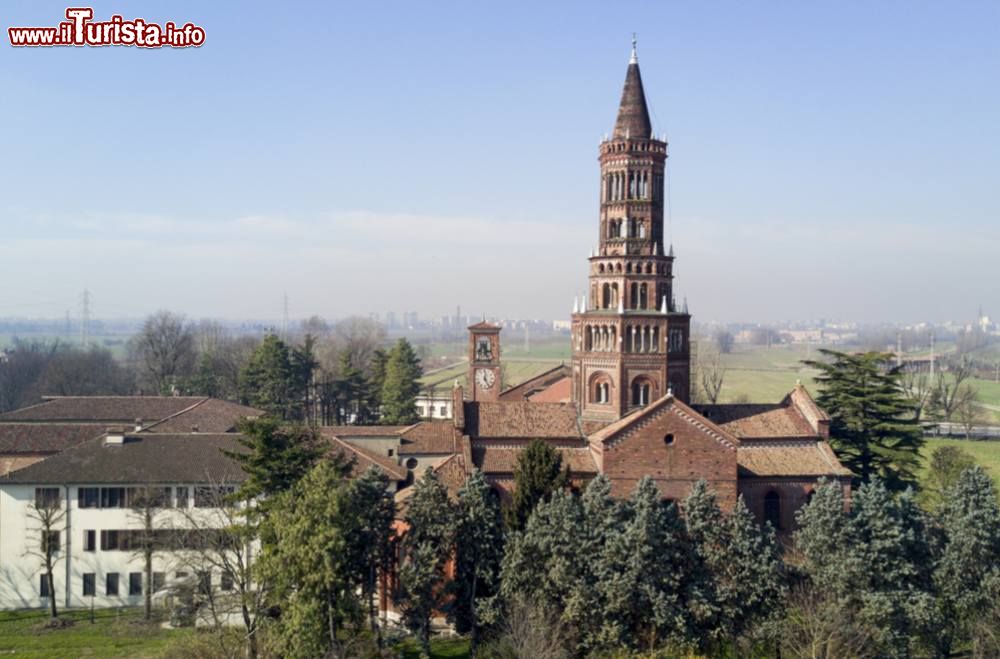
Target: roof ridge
pixel 176 414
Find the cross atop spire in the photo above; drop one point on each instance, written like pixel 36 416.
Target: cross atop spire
pixel 633 116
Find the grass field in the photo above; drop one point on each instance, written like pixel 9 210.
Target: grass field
pixel 115 633
pixel 986 454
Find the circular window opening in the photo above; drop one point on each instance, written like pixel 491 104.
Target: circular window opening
pixel 668 439
pixel 411 463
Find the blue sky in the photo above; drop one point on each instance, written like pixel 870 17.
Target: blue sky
pixel 837 159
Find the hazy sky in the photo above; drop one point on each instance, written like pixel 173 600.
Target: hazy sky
pixel 837 159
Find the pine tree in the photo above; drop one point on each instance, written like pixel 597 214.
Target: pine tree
pixel 352 391
pixel 375 383
pixel 369 535
pixel 542 563
pixel 277 457
pixel 749 581
pixel 645 577
pixel 269 381
pixel 478 553
pixel 307 564
pixel 967 573
pixel 537 475
pixel 401 385
pixel 876 560
pixel 426 547
pixel 872 425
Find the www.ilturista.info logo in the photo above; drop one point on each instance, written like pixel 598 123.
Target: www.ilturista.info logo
pixel 80 30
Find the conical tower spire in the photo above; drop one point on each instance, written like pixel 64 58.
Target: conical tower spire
pixel 633 116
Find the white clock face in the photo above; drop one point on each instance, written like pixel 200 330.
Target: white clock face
pixel 485 378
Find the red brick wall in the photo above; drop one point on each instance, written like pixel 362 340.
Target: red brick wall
pixel 694 454
pixel 792 495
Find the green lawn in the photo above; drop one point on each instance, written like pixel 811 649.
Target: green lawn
pixel 986 453
pixel 115 633
pixel 441 648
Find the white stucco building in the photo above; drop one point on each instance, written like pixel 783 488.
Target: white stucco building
pixel 96 490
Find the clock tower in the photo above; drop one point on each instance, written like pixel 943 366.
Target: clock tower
pixel 484 362
pixel 630 340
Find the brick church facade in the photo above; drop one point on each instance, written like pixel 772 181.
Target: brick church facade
pixel 622 407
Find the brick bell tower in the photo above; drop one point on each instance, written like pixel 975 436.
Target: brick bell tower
pixel 484 362
pixel 630 341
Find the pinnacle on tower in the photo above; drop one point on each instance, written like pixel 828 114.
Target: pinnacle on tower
pixel 633 116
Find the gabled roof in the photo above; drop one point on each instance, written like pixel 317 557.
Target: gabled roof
pixel 103 409
pixel 483 325
pixel 144 458
pixel 788 458
pixel 796 416
pixel 502 458
pixel 28 438
pixel 347 432
pixel 363 459
pixel 538 384
pixel 521 420
pixel 431 437
pixel 167 414
pixel 666 404
pixel 209 415
pixel 752 420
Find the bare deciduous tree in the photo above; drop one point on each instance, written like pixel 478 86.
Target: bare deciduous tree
pixel 530 630
pixel 147 506
pixel 219 539
pixel 919 389
pixel 970 413
pixel 951 389
pixel 48 515
pixel 712 373
pixel 164 349
pixel 817 626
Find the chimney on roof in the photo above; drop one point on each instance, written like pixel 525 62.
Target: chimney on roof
pixel 114 436
pixel 138 424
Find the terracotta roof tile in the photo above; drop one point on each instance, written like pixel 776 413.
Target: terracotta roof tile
pixel 362 431
pixel 363 459
pixel 537 384
pixel 777 458
pixel 759 420
pixel 434 437
pixel 523 419
pixel 502 459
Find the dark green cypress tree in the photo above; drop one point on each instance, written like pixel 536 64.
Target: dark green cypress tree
pixel 368 535
pixel 537 475
pixel 427 545
pixel 872 424
pixel 277 457
pixel 269 381
pixel 401 385
pixel 478 552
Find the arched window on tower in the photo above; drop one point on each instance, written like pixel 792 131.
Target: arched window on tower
pixel 642 296
pixel 633 296
pixel 772 509
pixel 606 296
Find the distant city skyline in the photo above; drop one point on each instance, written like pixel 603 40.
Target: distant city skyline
pixel 834 161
